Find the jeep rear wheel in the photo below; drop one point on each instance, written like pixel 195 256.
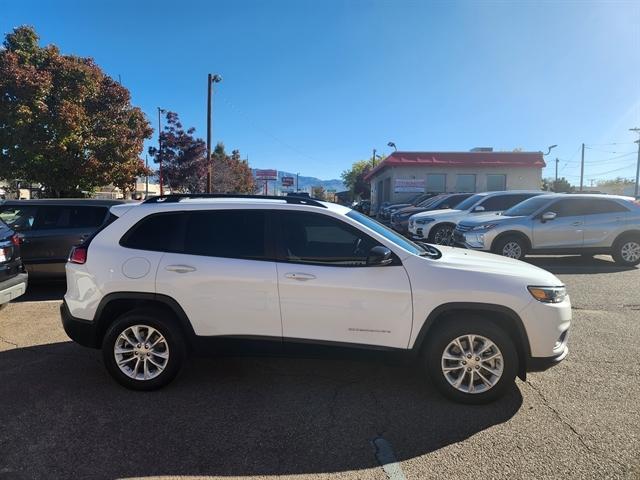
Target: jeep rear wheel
pixel 143 350
pixel 471 361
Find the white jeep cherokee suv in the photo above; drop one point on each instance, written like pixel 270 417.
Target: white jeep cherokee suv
pixel 215 274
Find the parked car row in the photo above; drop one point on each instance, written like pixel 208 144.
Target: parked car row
pixel 517 223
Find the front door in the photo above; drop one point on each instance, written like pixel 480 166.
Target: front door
pixel 565 231
pixel 328 294
pixel 221 275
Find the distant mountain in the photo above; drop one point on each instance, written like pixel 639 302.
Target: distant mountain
pixel 305 183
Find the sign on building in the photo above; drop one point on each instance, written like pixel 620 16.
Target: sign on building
pixel 409 185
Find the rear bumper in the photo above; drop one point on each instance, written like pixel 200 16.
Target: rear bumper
pixel 540 364
pixel 13 287
pixel 79 330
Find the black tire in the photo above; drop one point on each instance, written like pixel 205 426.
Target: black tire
pixel 511 243
pixel 449 330
pixel 441 235
pixel 618 250
pixel 166 327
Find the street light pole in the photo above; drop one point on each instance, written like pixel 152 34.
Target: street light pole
pixel 160 112
pixel 211 79
pixel 637 130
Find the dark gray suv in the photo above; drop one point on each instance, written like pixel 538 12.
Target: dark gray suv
pixel 49 228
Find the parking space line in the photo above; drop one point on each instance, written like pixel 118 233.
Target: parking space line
pixel 387 459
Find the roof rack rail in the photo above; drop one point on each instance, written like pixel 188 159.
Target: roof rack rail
pixel 176 197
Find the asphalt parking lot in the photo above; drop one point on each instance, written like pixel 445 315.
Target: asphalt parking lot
pixel 61 415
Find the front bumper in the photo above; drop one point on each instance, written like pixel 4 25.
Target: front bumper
pixel 13 287
pixel 540 364
pixel 79 330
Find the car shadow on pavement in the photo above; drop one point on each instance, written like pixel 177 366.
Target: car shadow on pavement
pixel 577 264
pixel 63 417
pixel 41 290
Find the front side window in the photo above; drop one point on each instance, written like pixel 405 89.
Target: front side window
pixel 528 207
pixel 500 203
pixel 386 232
pixel 469 202
pixel 322 240
pixel 567 208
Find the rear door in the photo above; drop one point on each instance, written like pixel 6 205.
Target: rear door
pixel 604 219
pixel 221 274
pixel 329 294
pixel 565 231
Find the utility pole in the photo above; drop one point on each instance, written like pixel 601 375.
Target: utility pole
pixel 297 186
pixel 146 182
pixel 556 184
pixel 373 162
pixel 160 112
pixel 582 168
pixel 211 79
pixel 637 130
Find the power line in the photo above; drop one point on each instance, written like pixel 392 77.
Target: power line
pixel 611 171
pixel 606 160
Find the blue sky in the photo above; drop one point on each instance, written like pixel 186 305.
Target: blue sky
pixel 312 86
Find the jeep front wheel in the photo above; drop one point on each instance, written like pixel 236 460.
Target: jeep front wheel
pixel 471 361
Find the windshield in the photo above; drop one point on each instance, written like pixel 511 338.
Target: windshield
pixel 527 207
pixel 431 201
pixel 469 202
pixel 387 233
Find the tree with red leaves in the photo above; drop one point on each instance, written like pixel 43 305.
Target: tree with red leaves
pixel 64 123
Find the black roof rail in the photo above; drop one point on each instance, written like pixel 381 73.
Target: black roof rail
pixel 176 197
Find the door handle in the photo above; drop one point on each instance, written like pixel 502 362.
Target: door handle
pixel 180 268
pixel 302 277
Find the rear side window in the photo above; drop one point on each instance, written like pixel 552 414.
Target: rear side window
pixel 51 217
pixel 226 233
pixel 597 205
pixel 161 232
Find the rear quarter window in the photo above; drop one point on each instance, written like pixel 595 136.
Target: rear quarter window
pixel 160 232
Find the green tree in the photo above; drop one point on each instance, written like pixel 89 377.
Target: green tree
pixel 63 122
pixel 562 185
pixel 318 192
pixel 231 174
pixel 616 185
pixel 354 180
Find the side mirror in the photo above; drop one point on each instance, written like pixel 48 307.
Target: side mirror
pixel 379 256
pixel 479 208
pixel 547 216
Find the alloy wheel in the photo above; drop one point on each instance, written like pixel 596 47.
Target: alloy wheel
pixel 141 352
pixel 630 251
pixel 472 363
pixel 443 236
pixel 512 250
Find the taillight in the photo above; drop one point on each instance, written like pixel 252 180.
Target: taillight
pixel 78 255
pixel 16 239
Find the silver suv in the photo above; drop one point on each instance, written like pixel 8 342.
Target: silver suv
pixel 559 224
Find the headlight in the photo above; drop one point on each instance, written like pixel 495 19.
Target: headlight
pixel 474 239
pixel 548 294
pixel 486 226
pixel 422 221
